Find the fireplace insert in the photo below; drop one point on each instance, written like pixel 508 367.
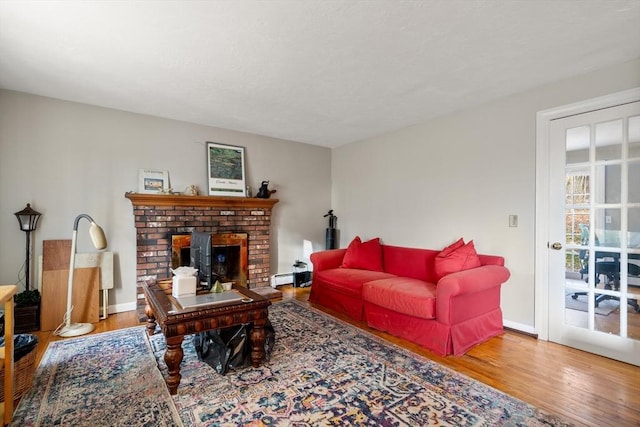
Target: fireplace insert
pixel 217 256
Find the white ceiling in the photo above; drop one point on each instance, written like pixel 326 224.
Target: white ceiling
pixel 319 72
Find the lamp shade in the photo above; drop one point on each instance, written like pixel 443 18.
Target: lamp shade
pixel 28 218
pixel 95 231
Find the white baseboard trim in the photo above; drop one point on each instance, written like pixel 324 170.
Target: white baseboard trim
pixel 121 308
pixel 281 279
pixel 520 327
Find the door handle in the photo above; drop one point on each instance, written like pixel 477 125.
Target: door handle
pixel 557 246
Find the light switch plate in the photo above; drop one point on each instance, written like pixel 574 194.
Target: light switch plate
pixel 513 220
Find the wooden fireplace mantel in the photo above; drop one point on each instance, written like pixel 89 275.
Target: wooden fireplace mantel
pixel 138 199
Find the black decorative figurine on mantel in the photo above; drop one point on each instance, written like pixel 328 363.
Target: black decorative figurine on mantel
pixel 264 192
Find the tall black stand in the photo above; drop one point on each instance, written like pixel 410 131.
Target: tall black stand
pixel 28 260
pixel 331 240
pixel 28 220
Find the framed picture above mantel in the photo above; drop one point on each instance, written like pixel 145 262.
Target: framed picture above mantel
pixel 225 170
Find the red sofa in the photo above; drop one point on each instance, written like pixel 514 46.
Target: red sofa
pixel 405 296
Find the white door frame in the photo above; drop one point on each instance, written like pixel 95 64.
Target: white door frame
pixel 541 263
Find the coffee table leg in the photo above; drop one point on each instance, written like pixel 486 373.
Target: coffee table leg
pixel 151 319
pixel 257 344
pixel 173 358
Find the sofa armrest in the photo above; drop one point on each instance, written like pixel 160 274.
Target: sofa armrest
pixel 466 294
pixel 491 260
pixel 327 260
pixel 472 280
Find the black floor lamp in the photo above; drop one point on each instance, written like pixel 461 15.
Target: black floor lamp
pixel 28 219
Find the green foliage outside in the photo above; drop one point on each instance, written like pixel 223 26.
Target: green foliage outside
pixel 577 191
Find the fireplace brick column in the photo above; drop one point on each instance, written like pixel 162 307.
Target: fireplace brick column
pixel 158 216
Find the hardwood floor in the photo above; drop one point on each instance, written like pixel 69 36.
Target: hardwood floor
pixel 587 389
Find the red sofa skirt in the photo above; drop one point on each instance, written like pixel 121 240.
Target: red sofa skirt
pixel 343 303
pixel 438 337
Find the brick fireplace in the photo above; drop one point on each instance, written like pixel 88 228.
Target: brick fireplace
pixel 158 216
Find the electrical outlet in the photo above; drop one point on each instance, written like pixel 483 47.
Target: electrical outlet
pixel 513 220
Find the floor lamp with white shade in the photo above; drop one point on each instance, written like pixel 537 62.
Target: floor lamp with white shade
pixel 68 329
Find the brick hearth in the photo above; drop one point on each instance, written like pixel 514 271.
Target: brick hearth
pixel 157 216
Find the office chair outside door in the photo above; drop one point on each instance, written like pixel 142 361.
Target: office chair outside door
pixel 611 271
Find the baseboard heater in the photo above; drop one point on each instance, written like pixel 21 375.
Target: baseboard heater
pixel 281 279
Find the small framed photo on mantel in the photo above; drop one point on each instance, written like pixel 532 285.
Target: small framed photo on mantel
pixel 225 170
pixel 153 181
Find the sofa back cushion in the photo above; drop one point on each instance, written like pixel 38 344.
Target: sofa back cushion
pixel 410 262
pixel 363 255
pixel 456 257
pixel 420 263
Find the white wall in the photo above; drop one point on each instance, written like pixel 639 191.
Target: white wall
pixel 462 175
pixel 67 158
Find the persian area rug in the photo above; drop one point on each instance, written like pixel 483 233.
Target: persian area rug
pixel 324 372
pixel 108 379
pixel 605 307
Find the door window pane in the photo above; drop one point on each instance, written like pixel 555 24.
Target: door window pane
pixel 633 218
pixel 634 326
pixel 609 181
pixel 576 264
pixel 577 227
pixel 607 226
pixel 609 140
pixel 577 144
pixel 634 182
pixel 634 137
pixel 577 188
pixel 576 305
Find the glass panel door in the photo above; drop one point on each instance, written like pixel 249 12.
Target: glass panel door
pixel 594 255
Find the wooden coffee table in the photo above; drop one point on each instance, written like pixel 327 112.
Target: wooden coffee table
pixel 175 322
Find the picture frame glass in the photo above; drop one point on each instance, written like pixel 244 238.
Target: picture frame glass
pixel 225 170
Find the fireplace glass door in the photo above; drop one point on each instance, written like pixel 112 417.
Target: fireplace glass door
pixel 229 255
